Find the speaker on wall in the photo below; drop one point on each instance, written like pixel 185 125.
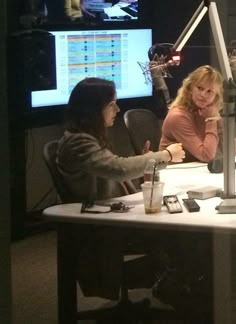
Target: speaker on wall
pixel 31 57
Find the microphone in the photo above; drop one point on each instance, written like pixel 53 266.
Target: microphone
pixel 216 166
pixel 161 56
pixel 159 81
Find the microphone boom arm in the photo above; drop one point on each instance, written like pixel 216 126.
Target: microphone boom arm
pixel 191 26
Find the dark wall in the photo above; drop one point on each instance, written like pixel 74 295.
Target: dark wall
pixel 231 26
pixel 5 272
pixel 170 17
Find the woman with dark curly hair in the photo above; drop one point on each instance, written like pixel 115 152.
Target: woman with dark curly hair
pixel 91 172
pixel 85 160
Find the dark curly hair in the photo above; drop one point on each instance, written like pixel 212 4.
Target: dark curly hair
pixel 86 103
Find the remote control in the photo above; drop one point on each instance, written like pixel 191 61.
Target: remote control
pixel 191 205
pixel 172 203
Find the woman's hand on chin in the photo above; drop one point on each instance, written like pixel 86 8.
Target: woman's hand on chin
pixel 209 112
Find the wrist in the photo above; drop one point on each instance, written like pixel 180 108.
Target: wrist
pixel 170 156
pixel 212 119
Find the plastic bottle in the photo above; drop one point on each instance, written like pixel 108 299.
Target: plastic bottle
pixel 151 172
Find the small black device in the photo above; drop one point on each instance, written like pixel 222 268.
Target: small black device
pixel 172 203
pixel 191 205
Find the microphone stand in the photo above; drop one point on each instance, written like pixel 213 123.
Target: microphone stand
pixel 228 205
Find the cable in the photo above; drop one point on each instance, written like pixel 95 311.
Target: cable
pixel 43 198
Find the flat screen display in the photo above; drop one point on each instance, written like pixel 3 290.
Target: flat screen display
pixel 112 11
pixel 83 12
pixel 110 54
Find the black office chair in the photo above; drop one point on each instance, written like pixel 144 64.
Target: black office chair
pixel 49 155
pixel 143 125
pixel 124 310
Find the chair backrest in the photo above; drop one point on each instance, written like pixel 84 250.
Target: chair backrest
pixel 49 155
pixel 143 125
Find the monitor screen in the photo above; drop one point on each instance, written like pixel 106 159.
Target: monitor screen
pixel 110 54
pixel 110 11
pixel 83 12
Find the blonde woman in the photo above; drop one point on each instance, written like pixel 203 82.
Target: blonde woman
pixel 194 116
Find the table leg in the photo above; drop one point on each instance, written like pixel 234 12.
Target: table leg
pixel 66 265
pixel 222 278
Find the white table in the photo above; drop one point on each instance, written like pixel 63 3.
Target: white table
pixel 178 180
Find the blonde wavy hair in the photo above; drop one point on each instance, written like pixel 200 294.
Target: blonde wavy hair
pixel 204 73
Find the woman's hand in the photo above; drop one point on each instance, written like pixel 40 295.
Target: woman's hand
pixel 176 152
pixel 210 111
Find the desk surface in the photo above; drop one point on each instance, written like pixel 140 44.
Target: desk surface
pixel 178 180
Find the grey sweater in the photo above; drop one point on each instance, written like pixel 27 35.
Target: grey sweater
pixel 92 172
